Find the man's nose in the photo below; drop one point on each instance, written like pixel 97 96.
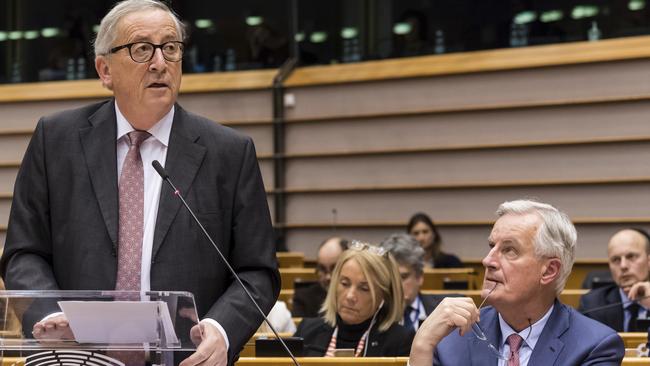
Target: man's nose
pixel 624 263
pixel 158 62
pixel 490 260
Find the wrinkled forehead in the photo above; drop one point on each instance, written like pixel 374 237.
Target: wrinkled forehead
pixel 515 228
pixel 152 25
pixel 624 243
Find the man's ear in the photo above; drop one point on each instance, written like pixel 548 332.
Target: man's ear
pixel 104 71
pixel 551 271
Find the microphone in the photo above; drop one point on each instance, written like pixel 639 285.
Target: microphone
pixel 163 174
pixel 613 305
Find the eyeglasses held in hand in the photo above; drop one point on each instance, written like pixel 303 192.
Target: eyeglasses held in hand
pixel 478 332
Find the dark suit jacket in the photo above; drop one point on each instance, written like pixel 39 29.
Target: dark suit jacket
pixel 394 342
pixel 569 338
pixel 445 260
pixel 63 224
pixel 430 302
pixel 307 300
pixel 613 316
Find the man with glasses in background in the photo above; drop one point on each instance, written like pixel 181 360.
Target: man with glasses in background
pixel 629 262
pixel 90 212
pixel 531 252
pixel 410 258
pixel 307 300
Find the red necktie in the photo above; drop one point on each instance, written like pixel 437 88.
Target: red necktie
pixel 514 341
pixel 131 224
pixel 131 230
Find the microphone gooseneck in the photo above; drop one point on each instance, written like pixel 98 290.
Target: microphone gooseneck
pixel 616 304
pixel 163 174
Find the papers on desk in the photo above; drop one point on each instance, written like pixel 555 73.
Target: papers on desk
pixel 119 322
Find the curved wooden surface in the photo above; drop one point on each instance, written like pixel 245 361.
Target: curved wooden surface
pixel 472 62
pixel 92 88
pixel 457 63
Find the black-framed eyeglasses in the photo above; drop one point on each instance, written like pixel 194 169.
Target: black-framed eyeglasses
pixel 142 52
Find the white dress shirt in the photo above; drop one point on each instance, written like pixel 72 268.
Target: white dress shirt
pixel 153 148
pixel 530 335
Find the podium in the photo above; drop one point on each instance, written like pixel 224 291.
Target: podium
pixel 153 324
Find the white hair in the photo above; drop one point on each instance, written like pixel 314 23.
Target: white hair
pixel 107 32
pixel 556 237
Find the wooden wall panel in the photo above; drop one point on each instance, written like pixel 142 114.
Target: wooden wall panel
pixel 493 89
pixel 24 115
pixel 466 128
pixel 228 107
pixel 472 204
pixel 13 148
pixel 7 179
pixel 465 241
pixel 266 167
pixel 5 206
pixel 262 135
pixel 493 165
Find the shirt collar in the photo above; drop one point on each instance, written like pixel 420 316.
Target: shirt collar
pixel 529 334
pixel 626 302
pixel 160 131
pixel 624 299
pixel 418 305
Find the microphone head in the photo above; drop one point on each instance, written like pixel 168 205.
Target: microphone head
pixel 161 171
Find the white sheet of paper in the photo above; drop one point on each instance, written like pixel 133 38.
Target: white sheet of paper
pixel 113 321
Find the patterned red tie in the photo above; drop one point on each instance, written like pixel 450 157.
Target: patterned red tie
pixel 514 341
pixel 131 230
pixel 131 215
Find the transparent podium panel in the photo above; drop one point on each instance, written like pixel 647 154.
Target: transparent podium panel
pixel 99 323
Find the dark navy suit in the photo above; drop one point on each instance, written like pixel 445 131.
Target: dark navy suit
pixel 569 338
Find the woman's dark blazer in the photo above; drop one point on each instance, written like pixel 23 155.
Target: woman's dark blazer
pixel 394 342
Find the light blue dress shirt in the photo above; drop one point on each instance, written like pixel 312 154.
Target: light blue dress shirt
pixel 530 336
pixel 643 312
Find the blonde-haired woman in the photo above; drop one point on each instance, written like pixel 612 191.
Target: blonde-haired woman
pixel 362 309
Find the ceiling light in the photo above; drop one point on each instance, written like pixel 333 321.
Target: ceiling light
pixel 15 35
pixel 254 20
pixel 31 34
pixel 318 37
pixel 525 17
pixel 584 11
pixel 402 28
pixel 203 23
pixel 349 33
pixel 636 5
pixel 50 32
pixel 551 16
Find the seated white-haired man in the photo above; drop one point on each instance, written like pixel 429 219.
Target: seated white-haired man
pixel 531 252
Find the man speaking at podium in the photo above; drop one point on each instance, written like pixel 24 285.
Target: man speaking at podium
pixel 90 213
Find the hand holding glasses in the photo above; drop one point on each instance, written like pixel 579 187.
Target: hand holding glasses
pixel 478 332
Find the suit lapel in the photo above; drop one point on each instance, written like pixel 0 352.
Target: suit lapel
pixel 429 303
pixel 616 317
pixel 550 345
pixel 99 148
pixel 184 157
pixel 479 351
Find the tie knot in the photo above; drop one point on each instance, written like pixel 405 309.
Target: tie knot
pixel 514 341
pixel 137 137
